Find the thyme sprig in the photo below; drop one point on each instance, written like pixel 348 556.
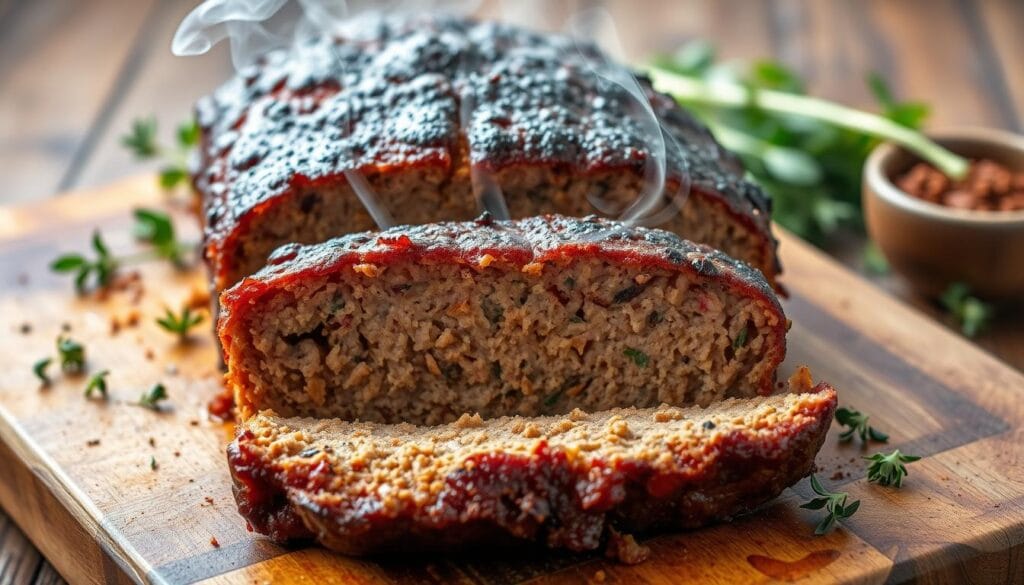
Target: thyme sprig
pixel 834 504
pixel 181 323
pixel 858 425
pixel 71 354
pixel 151 226
pixel 889 469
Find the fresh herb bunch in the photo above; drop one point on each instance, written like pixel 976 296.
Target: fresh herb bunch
pixel 141 140
pixel 809 164
pixel 101 269
pixel 889 469
pixel 97 383
pixel 180 324
pixel 153 397
pixel 833 502
pixel 858 423
pixel 971 313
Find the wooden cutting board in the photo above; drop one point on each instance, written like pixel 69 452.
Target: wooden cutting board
pixel 77 475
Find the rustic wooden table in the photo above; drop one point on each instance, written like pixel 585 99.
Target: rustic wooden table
pixel 74 73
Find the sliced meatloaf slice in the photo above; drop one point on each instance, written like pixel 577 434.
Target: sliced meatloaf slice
pixel 421 324
pixel 567 481
pixel 433 115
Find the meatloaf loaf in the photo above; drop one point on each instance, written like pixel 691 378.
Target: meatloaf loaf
pixel 421 324
pixel 429 116
pixel 568 481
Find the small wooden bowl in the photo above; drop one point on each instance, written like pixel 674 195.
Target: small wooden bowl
pixel 932 245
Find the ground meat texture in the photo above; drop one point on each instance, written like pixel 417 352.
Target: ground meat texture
pixel 418 106
pixel 538 316
pixel 575 481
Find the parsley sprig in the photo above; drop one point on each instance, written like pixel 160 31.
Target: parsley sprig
pixel 142 141
pixel 971 313
pixel 807 153
pixel 833 502
pixel 858 425
pixel 153 397
pixel 889 469
pixel 97 383
pixel 151 226
pixel 180 324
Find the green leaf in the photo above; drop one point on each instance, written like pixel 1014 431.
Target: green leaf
pixel 880 89
pixel 775 75
pixel 71 355
pixel 170 177
pixel 39 369
pixel 152 399
pixel 971 313
pixel 141 139
pixel 694 58
pixel 889 469
pixel 188 134
pixel 741 338
pixel 873 260
pixel 639 358
pixel 97 383
pixel 833 502
pixel 815 504
pixel 179 324
pixel 858 425
pixel 792 166
pixel 98 245
pixel 67 263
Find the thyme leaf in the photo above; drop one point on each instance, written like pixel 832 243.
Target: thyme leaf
pixel 858 425
pixel 834 504
pixel 889 469
pixel 97 383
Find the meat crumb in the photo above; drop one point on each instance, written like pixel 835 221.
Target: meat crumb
pixel 214 542
pixel 209 500
pixel 92 443
pixel 599 576
pixel 625 549
pixel 152 442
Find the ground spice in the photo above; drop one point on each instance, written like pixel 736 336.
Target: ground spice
pixel 989 186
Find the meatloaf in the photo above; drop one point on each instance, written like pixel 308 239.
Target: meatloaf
pixel 570 481
pixel 544 315
pixel 428 118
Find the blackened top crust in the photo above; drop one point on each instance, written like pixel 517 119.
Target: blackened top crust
pixel 405 91
pixel 527 244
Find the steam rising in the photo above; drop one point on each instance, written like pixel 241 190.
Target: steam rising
pixel 255 27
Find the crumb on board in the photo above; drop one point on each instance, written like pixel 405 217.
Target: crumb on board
pixel 92 443
pixel 152 442
pixel 25 328
pixel 214 542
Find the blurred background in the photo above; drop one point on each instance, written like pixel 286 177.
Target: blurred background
pixel 75 74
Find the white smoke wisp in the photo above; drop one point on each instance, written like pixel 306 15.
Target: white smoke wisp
pixel 644 209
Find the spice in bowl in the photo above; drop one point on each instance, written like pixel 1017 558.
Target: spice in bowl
pixel 988 186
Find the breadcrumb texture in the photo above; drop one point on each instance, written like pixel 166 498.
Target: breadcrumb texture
pixel 538 316
pixel 575 481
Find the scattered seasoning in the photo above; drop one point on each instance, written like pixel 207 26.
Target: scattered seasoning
pixel 988 186
pixel 179 324
pixel 858 425
pixel 654 318
pixel 152 398
pixel 834 503
pixel 72 355
pixel 97 383
pixel 889 469
pixel 152 442
pixel 39 369
pixel 25 328
pixel 153 464
pixel 92 443
pixel 639 358
pixel 214 542
pixel 570 282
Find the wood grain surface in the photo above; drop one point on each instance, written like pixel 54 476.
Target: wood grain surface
pixel 73 74
pixel 83 487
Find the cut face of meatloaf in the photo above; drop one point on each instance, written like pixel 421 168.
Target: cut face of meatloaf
pixel 538 316
pixel 431 113
pixel 563 481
